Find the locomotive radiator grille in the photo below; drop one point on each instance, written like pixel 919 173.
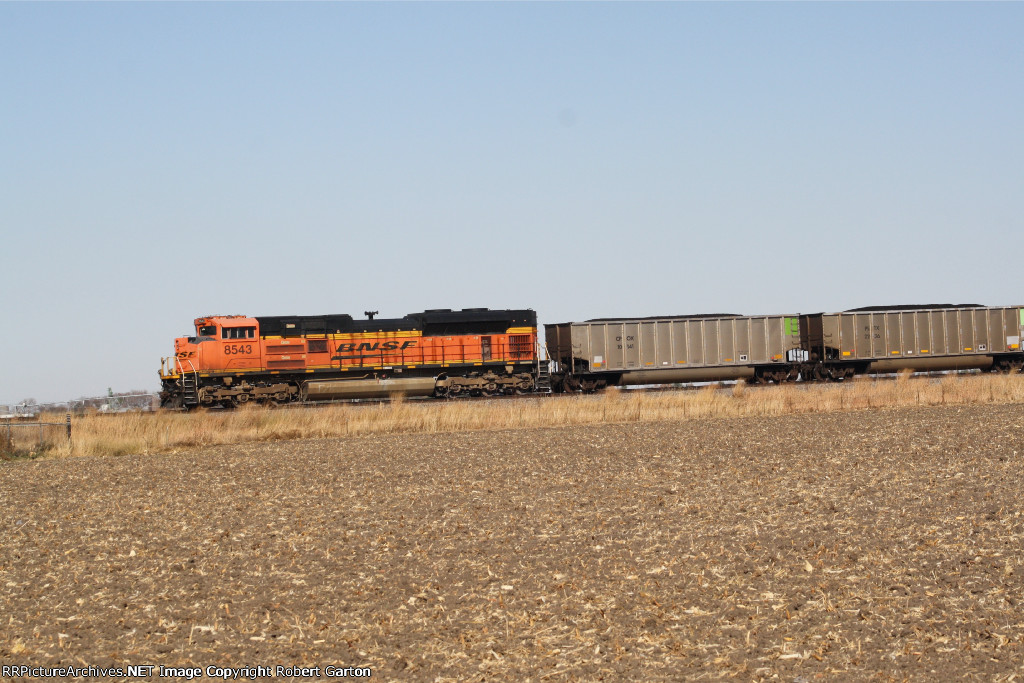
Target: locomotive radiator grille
pixel 520 346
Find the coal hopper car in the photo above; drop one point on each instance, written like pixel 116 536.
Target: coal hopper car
pixel 777 348
pixel 886 339
pixel 591 355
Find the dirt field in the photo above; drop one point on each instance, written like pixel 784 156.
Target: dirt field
pixel 870 545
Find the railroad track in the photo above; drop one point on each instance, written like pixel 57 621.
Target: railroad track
pixel 724 386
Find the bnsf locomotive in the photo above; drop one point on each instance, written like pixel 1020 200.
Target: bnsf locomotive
pixel 233 360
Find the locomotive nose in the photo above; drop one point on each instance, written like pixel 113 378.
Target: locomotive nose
pixel 184 350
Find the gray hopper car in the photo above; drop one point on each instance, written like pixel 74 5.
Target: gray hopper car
pixel 821 346
pixel 880 339
pixel 597 353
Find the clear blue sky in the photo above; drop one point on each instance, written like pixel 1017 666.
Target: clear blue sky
pixel 159 162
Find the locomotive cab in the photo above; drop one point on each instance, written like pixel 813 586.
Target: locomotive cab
pixel 227 343
pixel 220 343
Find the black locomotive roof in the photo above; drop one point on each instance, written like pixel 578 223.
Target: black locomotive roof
pixel 432 322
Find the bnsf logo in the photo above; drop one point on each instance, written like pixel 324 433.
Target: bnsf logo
pixel 375 346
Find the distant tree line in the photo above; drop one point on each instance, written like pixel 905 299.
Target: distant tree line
pixel 113 402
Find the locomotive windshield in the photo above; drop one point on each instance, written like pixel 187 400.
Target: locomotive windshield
pixel 237 332
pixel 208 331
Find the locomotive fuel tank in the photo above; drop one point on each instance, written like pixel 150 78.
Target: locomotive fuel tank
pixel 335 389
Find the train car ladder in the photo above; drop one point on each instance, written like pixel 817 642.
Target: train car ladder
pixel 543 377
pixel 189 387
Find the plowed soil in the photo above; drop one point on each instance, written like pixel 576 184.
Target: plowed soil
pixel 870 545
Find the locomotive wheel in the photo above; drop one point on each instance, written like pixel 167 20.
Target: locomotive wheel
pixel 525 388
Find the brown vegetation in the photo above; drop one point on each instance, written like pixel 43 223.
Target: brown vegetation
pixel 146 433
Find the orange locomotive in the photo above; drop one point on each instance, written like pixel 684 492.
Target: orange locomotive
pixel 235 359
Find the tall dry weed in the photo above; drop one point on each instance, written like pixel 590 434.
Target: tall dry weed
pixel 739 389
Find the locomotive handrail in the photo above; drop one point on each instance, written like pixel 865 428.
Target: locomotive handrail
pixel 195 372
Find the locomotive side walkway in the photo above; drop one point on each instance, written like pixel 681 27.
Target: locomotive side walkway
pixel 847 544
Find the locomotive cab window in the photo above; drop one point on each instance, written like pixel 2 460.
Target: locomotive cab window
pixel 208 331
pixel 238 332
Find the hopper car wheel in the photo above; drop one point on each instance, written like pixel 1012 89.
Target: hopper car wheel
pixel 1008 366
pixel 1000 366
pixel 770 376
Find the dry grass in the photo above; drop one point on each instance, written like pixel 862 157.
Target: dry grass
pixel 163 432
